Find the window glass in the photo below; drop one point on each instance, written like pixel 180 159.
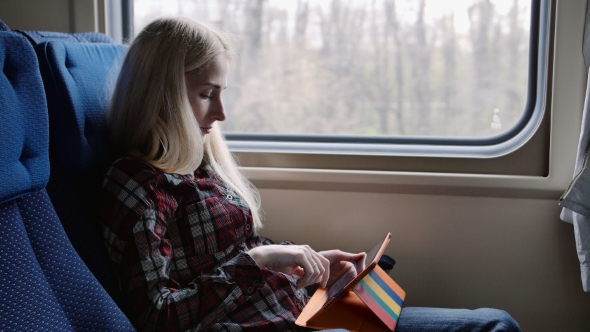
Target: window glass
pixel 396 68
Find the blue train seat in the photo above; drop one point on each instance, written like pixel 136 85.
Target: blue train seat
pixel 45 284
pixel 77 77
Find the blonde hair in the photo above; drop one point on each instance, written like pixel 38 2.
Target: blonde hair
pixel 150 116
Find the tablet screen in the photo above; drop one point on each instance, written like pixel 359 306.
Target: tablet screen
pixel 359 266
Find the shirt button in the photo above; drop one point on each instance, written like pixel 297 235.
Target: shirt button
pixel 250 290
pixel 248 226
pixel 230 197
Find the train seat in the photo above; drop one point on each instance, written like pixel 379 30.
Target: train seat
pixel 45 286
pixel 77 77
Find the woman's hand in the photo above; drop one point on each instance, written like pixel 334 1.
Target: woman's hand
pixel 300 260
pixel 341 263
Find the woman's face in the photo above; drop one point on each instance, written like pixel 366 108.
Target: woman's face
pixel 204 92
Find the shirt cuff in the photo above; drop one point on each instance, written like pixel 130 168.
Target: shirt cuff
pixel 586 277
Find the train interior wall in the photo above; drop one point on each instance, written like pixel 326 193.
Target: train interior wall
pixel 452 249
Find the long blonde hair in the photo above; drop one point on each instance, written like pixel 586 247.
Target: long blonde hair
pixel 150 116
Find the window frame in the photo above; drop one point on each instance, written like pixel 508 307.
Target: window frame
pixel 486 147
pixel 502 154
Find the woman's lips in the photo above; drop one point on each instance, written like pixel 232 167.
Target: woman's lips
pixel 206 130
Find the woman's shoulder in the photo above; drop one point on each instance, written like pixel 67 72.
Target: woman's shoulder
pixel 131 173
pixel 134 184
pixel 130 164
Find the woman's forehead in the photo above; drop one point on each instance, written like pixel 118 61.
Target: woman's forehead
pixel 215 73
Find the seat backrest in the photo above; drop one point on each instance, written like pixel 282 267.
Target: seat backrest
pixel 38 37
pixel 78 78
pixel 45 284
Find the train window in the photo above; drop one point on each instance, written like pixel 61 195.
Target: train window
pixel 462 78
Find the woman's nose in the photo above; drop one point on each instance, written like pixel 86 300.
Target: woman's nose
pixel 219 112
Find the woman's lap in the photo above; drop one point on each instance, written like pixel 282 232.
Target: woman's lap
pixel 421 319
pixel 441 319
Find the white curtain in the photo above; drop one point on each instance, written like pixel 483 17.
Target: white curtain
pixel 576 200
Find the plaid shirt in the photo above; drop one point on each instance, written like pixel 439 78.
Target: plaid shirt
pixel 178 244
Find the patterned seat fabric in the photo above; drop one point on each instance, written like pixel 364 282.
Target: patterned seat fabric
pixel 45 284
pixel 77 79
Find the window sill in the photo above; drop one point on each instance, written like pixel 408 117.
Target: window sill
pixel 449 184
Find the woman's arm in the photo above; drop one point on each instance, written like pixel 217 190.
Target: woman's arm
pixel 136 209
pixel 162 303
pixel 300 260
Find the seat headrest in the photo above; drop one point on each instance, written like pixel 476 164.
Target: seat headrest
pixel 79 78
pixel 38 37
pixel 24 159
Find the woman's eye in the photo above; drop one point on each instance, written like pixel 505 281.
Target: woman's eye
pixel 204 96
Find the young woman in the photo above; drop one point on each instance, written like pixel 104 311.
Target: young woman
pixel 180 221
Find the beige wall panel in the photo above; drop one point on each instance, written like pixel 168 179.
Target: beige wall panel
pixel 51 15
pixel 48 15
pixel 451 251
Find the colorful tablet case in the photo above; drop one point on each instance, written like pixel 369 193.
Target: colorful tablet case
pixel 374 304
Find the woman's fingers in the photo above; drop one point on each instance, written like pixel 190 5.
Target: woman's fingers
pixel 310 266
pixel 341 263
pixel 324 269
pixel 337 255
pixel 316 268
pixel 294 259
pixel 306 262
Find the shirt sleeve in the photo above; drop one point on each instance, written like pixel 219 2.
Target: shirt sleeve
pixel 135 212
pixel 162 304
pixel 257 240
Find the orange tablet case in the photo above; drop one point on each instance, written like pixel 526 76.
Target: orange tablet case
pixel 374 304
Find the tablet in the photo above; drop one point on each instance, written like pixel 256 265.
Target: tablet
pixel 348 305
pixel 362 267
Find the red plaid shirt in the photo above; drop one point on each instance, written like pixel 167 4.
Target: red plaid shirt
pixel 178 244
